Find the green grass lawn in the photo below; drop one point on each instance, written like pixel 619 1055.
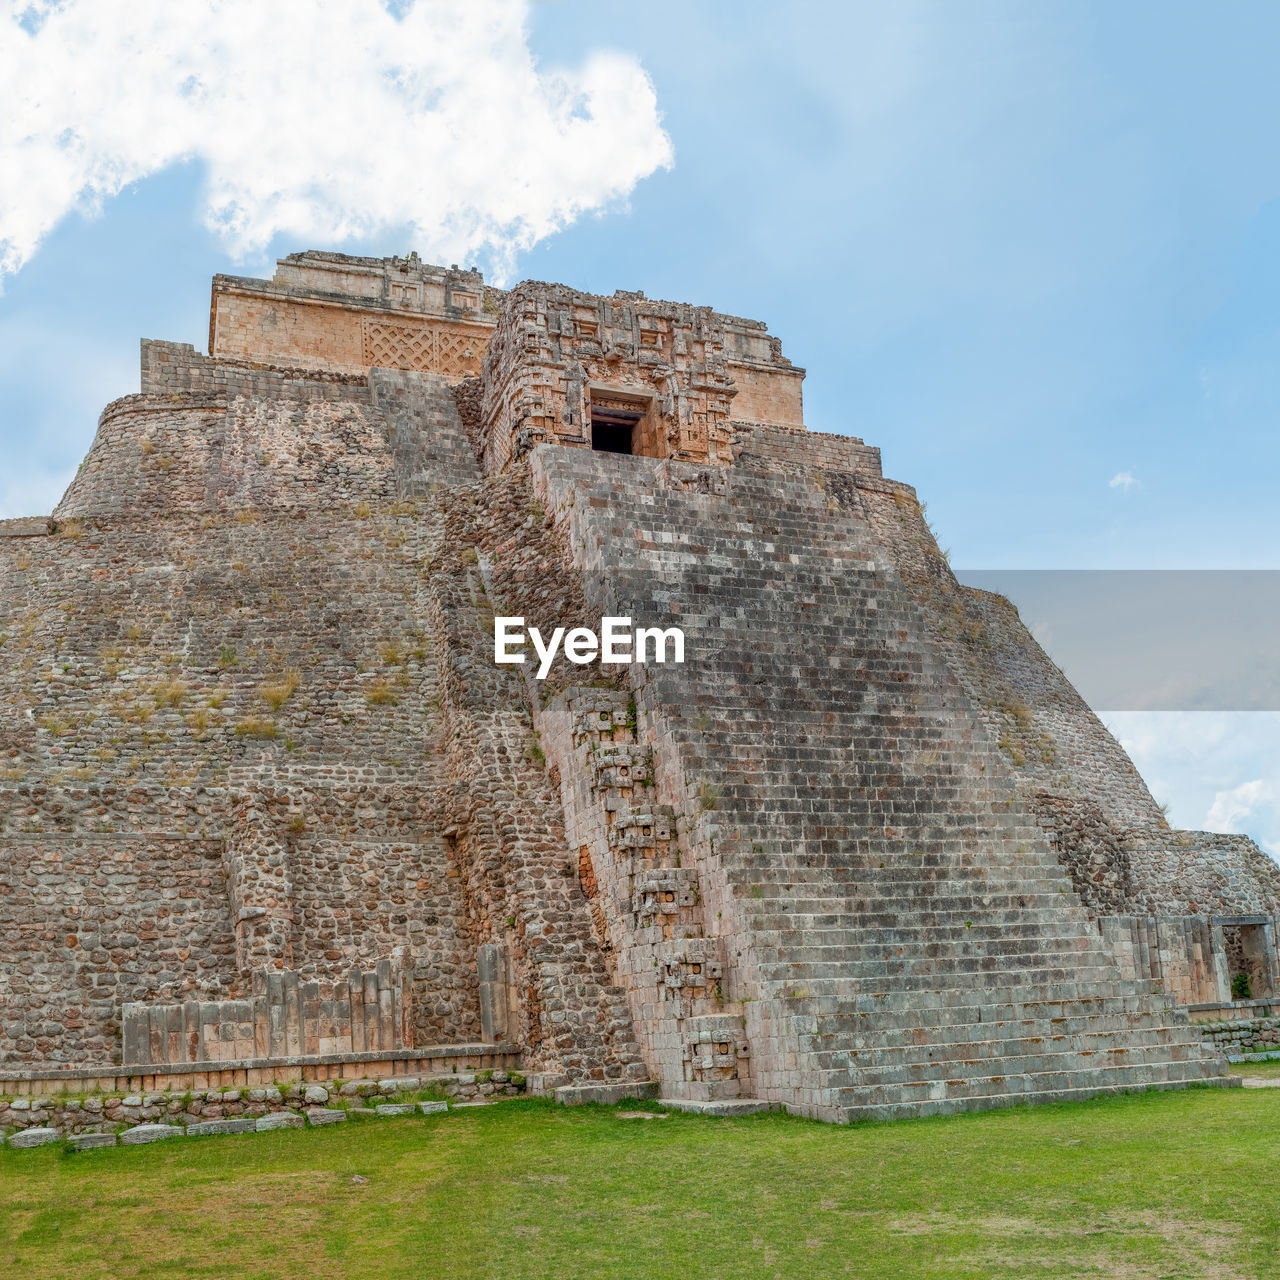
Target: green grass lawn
pixel 1158 1185
pixel 1264 1069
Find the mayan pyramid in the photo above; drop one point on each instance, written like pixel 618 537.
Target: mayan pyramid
pixel 269 807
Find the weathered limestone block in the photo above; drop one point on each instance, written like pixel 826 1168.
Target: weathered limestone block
pixel 34 1137
pixel 491 962
pixel 145 1133
pixel 87 1141
pixel 279 1120
pixel 240 1124
pixel 398 1084
pixel 324 1115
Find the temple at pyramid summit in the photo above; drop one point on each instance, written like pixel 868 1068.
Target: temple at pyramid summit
pixel 271 812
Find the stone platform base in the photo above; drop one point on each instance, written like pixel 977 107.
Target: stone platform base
pixel 721 1107
pixel 572 1095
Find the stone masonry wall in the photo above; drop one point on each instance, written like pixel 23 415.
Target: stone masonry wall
pixel 247 631
pixel 113 1112
pixel 92 921
pixel 161 456
pixel 1089 847
pixel 1202 872
pixel 176 368
pixel 1245 1036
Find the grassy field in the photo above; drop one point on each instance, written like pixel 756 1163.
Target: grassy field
pixel 1262 1069
pixel 1157 1185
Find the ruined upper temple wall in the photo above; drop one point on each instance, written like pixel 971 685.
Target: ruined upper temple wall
pixel 333 311
pixel 347 314
pixel 564 364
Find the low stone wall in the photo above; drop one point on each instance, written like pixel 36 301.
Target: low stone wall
pixel 1242 1036
pixel 437 1060
pixel 177 368
pixel 112 1112
pixel 792 449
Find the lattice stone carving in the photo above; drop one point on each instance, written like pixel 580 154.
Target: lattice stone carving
pixel 424 348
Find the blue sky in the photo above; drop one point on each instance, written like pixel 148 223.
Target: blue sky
pixel 1031 250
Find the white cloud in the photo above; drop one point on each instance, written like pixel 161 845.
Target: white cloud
pixel 323 121
pixel 1230 808
pixel 1217 770
pixel 1124 480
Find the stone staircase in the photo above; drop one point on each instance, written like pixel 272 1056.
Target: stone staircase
pixel 646 906
pixel 912 945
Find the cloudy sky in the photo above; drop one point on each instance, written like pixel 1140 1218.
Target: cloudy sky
pixel 1031 249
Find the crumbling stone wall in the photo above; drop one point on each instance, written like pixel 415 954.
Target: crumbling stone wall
pixel 178 369
pixel 1242 1036
pixel 162 455
pixel 1202 872
pixel 498 556
pixel 795 452
pixel 1088 846
pixel 111 1112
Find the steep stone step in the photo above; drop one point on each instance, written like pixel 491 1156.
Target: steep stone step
pixel 896 1103
pixel 886 1038
pixel 1124 1040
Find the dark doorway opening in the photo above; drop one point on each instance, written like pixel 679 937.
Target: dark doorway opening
pixel 612 429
